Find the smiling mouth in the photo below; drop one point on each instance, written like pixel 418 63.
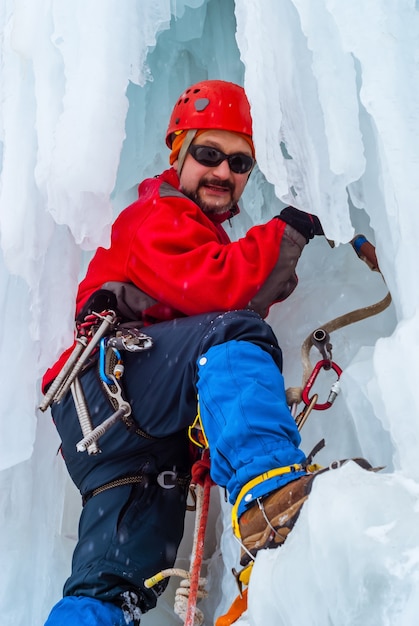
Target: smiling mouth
pixel 215 198
pixel 216 187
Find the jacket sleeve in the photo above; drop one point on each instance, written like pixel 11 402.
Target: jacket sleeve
pixel 282 281
pixel 178 258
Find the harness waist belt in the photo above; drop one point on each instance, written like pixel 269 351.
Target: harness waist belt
pixel 167 479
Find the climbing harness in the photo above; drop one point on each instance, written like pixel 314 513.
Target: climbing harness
pixel 102 334
pixel 166 479
pixel 192 587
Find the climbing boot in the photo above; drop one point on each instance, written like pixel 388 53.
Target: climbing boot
pixel 268 522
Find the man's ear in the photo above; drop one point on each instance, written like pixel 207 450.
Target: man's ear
pixel 175 164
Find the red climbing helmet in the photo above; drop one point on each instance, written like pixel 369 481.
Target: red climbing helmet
pixel 211 104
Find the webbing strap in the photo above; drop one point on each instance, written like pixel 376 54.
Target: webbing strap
pixel 166 479
pixel 189 137
pixel 309 469
pixel 278 471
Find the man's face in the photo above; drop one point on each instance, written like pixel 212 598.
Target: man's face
pixel 215 189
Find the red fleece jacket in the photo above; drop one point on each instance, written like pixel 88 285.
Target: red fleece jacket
pixel 165 245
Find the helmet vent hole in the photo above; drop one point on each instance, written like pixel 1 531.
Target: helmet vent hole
pixel 186 100
pixel 201 104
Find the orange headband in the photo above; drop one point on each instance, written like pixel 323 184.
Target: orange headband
pixel 178 141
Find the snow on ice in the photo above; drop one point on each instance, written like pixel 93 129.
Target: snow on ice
pixel 86 91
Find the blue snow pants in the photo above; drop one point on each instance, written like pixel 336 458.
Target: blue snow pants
pixel 128 533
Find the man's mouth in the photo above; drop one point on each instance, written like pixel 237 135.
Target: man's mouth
pixel 217 188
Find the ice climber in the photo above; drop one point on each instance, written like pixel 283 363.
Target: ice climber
pixel 172 272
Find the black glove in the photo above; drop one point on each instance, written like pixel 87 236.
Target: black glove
pixel 306 224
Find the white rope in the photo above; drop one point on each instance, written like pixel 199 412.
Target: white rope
pixel 182 592
pixel 181 599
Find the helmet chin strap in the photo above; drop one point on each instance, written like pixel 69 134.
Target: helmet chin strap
pixel 189 137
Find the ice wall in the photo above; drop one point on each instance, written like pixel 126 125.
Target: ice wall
pixel 86 90
pixel 345 111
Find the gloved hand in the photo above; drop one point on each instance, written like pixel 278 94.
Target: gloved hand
pixel 306 224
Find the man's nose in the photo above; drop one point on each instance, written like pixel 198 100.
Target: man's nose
pixel 222 170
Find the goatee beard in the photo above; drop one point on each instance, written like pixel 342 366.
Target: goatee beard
pixel 206 207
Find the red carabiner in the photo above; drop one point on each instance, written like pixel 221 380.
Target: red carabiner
pixel 324 364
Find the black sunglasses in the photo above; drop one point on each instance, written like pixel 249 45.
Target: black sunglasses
pixel 239 163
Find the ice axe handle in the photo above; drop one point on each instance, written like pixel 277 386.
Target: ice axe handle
pixel 366 252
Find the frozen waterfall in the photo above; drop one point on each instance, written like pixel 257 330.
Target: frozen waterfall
pixel 86 91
